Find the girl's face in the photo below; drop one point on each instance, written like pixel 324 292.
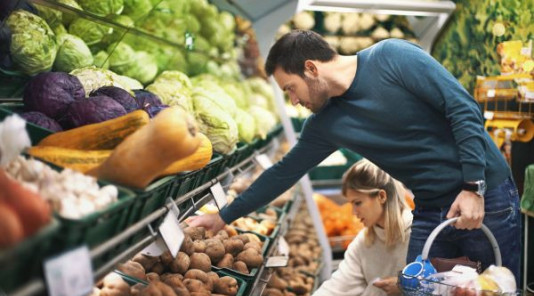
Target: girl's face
pixel 369 209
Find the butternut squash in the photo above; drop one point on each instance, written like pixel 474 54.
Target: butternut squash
pixel 145 154
pixel 98 136
pixel 75 159
pixel 195 161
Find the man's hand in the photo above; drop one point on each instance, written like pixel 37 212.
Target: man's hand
pixel 389 285
pixel 211 222
pixel 470 208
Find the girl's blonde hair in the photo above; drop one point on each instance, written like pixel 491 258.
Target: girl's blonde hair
pixel 367 178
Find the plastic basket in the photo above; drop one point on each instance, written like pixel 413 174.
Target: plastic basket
pixel 22 262
pixel 433 284
pixel 212 169
pixel 35 132
pixel 185 182
pixel 12 84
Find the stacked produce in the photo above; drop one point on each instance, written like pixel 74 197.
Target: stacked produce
pixel 192 269
pixel 350 32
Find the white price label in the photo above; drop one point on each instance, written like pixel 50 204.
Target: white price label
pixel 264 161
pixel 491 93
pixel 277 261
pixel 69 274
pixel 488 115
pixel 218 194
pixel 172 233
pixel 283 247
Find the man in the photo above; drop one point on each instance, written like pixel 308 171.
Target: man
pixel 398 107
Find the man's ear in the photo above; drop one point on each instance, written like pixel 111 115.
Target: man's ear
pixel 310 68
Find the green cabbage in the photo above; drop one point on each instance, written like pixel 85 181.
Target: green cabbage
pixel 142 68
pixel 102 7
pixel 68 17
pixel 93 78
pixel 172 94
pixel 227 20
pixel 137 8
pixel 175 77
pixel 120 54
pixel 101 60
pixel 246 125
pixel 118 33
pixel 91 32
pixel 216 124
pixel 72 54
pixel 262 87
pixel 209 89
pixel 52 16
pixel 234 90
pixel 33 44
pixel 128 83
pixel 265 120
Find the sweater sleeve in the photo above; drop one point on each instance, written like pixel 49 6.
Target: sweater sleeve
pixel 309 151
pixel 426 78
pixel 348 279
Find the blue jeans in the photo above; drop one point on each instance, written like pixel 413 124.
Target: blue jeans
pixel 502 217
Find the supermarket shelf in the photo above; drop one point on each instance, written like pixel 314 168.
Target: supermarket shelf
pixel 37 286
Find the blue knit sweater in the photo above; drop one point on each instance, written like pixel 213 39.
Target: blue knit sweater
pixel 404 112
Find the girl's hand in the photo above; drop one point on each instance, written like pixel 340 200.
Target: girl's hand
pixel 389 285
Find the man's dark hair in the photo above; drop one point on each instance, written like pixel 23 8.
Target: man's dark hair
pixel 294 48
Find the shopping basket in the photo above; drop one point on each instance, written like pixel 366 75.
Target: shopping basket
pixel 432 285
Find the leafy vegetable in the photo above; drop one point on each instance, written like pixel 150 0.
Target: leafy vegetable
pixel 72 54
pixel 102 7
pixel 118 94
pixel 246 125
pixel 41 120
pixel 51 93
pixel 90 32
pixel 91 110
pixel 33 44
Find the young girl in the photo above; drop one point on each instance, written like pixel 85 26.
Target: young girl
pixel 378 252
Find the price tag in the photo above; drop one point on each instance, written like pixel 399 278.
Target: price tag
pixel 488 115
pixel 218 194
pixel 172 233
pixel 283 247
pixel 276 261
pixel 491 93
pixel 264 161
pixel 69 274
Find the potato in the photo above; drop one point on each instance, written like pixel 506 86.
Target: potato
pixel 174 280
pixel 213 276
pixel 204 293
pixel 195 286
pixel 251 257
pixel 200 246
pixel 136 289
pixel 243 238
pixel 200 261
pixel 233 246
pixel 196 233
pixel 158 289
pixel 152 276
pixel 187 246
pixel 226 285
pixel 132 268
pixel 165 276
pixel 223 233
pixel 272 292
pixel 200 275
pixel 253 238
pixel 240 266
pixel 181 263
pixel 158 268
pixel 277 283
pixel 166 258
pixel 214 249
pixel 230 230
pixel 226 262
pixel 114 285
pixel 146 261
pixel 253 245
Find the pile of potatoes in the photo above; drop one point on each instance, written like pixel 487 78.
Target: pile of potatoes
pixel 304 252
pixel 263 223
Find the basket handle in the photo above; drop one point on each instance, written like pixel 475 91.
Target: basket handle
pixel 439 228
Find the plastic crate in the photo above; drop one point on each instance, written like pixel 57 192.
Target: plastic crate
pixel 23 261
pixel 12 83
pixel 185 182
pixel 35 132
pixel 212 169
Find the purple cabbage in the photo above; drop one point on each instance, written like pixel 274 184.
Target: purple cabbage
pixel 91 110
pixel 145 98
pixel 154 110
pixel 51 93
pixel 118 94
pixel 42 120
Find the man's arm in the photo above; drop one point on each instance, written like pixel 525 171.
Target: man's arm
pixel 310 150
pixel 422 75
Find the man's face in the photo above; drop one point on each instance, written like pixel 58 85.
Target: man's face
pixel 310 91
